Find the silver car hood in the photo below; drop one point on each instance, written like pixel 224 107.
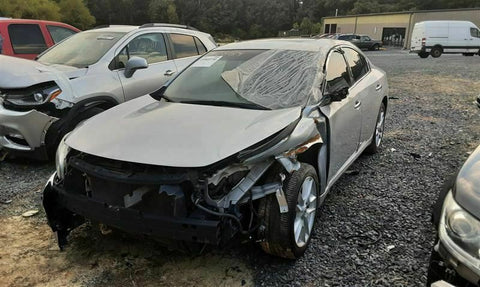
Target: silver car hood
pixel 174 134
pixel 21 73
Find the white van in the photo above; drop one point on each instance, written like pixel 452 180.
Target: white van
pixel 449 37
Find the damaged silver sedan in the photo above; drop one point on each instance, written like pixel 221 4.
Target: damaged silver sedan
pixel 247 141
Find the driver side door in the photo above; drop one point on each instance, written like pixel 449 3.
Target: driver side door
pixel 152 47
pixel 345 117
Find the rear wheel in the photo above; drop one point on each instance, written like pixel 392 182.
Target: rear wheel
pixel 288 234
pixel 378 133
pixel 436 52
pixel 423 55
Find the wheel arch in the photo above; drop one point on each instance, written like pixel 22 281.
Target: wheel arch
pixel 63 125
pixel 317 157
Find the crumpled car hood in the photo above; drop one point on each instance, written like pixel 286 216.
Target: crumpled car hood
pixel 467 186
pixel 21 73
pixel 174 134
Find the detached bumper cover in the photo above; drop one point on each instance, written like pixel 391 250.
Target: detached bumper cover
pixel 66 211
pixel 23 131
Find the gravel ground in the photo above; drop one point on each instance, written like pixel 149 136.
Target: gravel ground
pixel 374 229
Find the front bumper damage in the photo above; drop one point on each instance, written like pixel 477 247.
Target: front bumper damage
pixel 210 204
pixel 166 203
pixel 24 132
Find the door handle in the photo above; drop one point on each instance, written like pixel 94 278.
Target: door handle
pixel 378 87
pixel 357 105
pixel 169 73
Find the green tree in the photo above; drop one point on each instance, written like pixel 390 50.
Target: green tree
pixel 30 9
pixel 76 13
pixel 163 11
pixel 306 27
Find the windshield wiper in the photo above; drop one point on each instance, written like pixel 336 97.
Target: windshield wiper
pixel 226 104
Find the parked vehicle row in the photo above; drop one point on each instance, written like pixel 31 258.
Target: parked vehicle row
pixel 92 71
pixel 361 41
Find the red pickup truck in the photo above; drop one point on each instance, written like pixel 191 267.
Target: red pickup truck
pixel 27 38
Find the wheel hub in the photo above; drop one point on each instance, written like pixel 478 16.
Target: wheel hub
pixel 305 211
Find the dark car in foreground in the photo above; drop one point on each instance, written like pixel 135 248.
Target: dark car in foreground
pixel 361 41
pixel 456 216
pixel 248 140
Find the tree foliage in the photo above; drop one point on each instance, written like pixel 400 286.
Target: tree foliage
pixel 224 18
pixel 73 12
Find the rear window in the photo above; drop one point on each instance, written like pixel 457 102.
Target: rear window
pixel 186 46
pixel 59 33
pixel 26 38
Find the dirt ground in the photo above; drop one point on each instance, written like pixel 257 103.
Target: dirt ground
pixel 29 255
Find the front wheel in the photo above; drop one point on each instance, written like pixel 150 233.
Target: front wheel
pixel 288 234
pixel 377 136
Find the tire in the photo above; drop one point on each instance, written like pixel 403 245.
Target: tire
pixel 52 143
pixel 423 55
pixel 436 52
pixel 377 136
pixel 375 47
pixel 283 231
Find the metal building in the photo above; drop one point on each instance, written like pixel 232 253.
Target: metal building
pixel 394 29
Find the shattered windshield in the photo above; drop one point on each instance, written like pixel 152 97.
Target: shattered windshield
pixel 268 79
pixel 81 50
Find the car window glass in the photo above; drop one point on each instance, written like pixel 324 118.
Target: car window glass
pixel 26 38
pixel 151 47
pixel 82 49
pixel 200 47
pixel 337 74
pixel 184 45
pixel 357 63
pixel 59 33
pixel 474 32
pixel 365 38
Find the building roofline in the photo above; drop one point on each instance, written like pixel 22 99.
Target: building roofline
pixel 402 12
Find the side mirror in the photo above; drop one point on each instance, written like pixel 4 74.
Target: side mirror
pixel 134 64
pixel 335 96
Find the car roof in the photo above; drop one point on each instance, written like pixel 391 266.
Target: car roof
pixel 130 28
pixel 32 21
pixel 115 28
pixel 300 44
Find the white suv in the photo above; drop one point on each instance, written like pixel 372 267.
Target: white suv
pixel 42 100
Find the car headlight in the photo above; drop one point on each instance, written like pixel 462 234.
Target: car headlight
pixel 33 96
pixel 61 158
pixel 461 227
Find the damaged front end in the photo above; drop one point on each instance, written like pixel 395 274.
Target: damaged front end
pixel 204 205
